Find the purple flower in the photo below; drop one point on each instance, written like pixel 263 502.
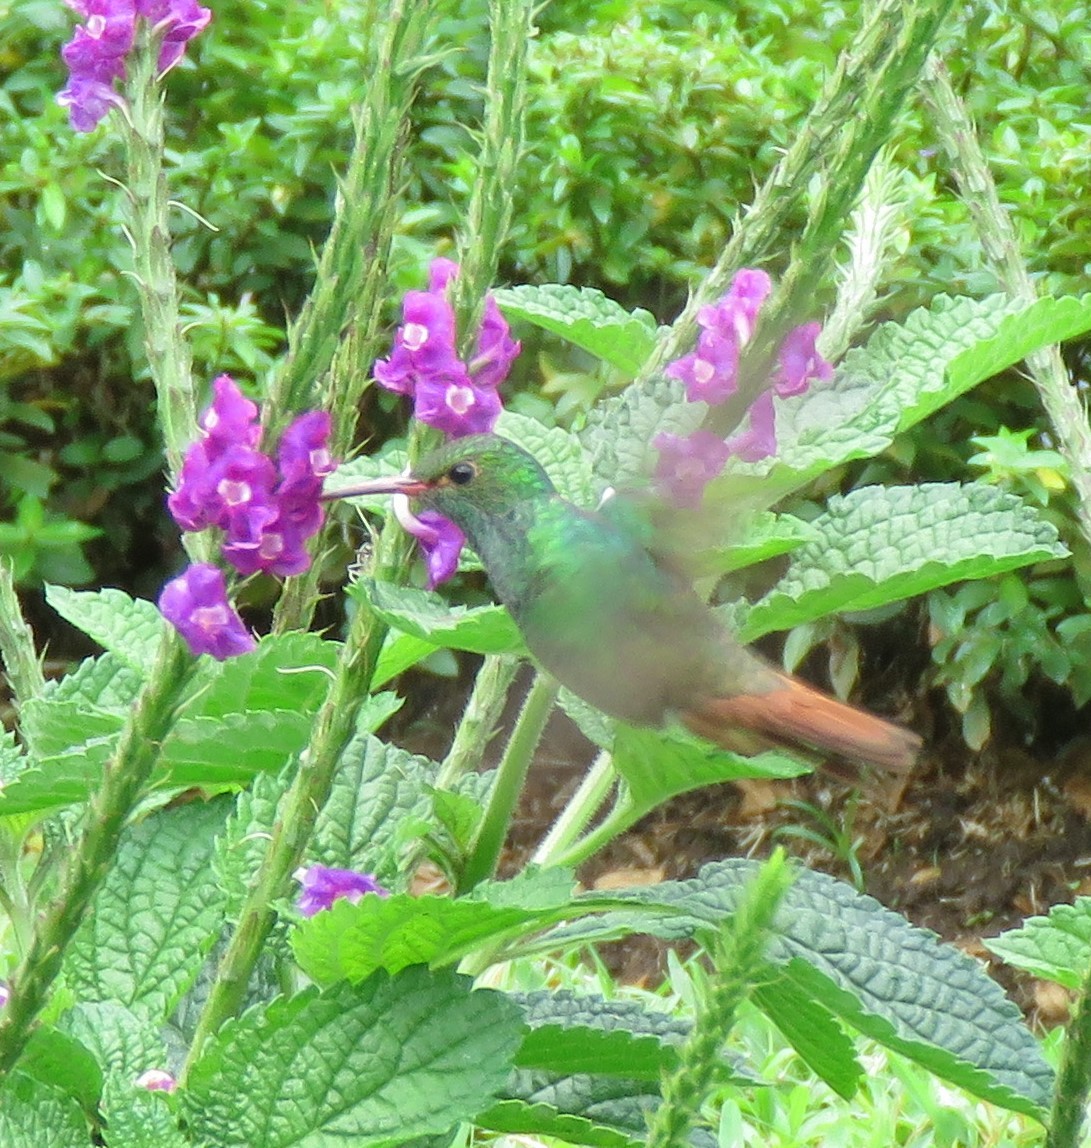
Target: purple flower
pixel 447 394
pixel 709 374
pixel 800 362
pixel 760 440
pixel 156 1080
pixel 267 512
pixel 687 465
pixel 738 309
pixel 5 993
pixel 439 538
pixel 195 603
pixel 96 53
pixel 322 886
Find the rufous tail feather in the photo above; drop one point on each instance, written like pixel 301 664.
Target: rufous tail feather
pixel 793 714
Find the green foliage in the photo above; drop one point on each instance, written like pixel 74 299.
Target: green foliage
pixel 1056 947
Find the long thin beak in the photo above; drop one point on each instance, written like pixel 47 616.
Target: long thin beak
pixel 393 484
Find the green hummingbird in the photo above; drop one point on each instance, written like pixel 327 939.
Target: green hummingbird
pixel 618 625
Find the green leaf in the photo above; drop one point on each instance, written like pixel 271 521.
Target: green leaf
pixel 558 451
pixel 33 1115
pixel 239 849
pixel 105 683
pixel 884 544
pixel 136 1118
pixel 378 789
pixel 57 1059
pixel 1037 325
pixel 619 431
pixel 230 750
pixel 609 1111
pixel 118 1038
pixel 812 1031
pixel 375 1063
pixel 156 915
pixel 867 965
pixel 1056 947
pixel 129 628
pixel 766 535
pixel 480 630
pixel 587 319
pixel 659 765
pixel 349 942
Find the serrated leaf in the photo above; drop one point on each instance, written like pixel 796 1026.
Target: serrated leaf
pixel 659 765
pixel 587 319
pixel 1037 325
pixel 558 451
pixel 156 915
pixel 813 1032
pixel 59 1060
pixel 33 1115
pixel 884 544
pixel 1056 947
pixel 13 761
pixel 64 779
pixel 480 630
pixel 230 750
pixel 886 978
pixel 619 432
pixel 130 628
pixel 375 1063
pixel 118 1038
pixel 238 850
pixel 596 1110
pixel 136 1118
pixel 377 789
pixel 105 683
pixel 363 468
pixel 53 726
pixel 286 672
pixel 349 942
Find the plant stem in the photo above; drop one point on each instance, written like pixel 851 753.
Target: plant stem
pixel 108 810
pixel 510 776
pixel 1073 1085
pixel 1063 403
pixel 478 723
pixel 335 726
pixel 738 953
pixel 585 803
pixel 21 665
pixel 167 350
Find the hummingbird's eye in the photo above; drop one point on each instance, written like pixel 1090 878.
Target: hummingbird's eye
pixel 462 473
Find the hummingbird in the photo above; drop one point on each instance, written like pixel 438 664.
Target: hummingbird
pixel 617 624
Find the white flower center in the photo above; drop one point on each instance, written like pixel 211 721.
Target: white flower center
pixel 210 618
pixel 703 371
pixel 233 492
pixel 414 336
pixel 459 399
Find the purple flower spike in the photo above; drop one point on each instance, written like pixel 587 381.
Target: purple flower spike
pixel 687 465
pixel 496 349
pixel 456 406
pixel 709 374
pixel 195 603
pixel 322 886
pixel 440 273
pixel 232 418
pixel 800 362
pixel 424 345
pixel 760 440
pixel 439 538
pixel 740 306
pixel 304 451
pixel 180 20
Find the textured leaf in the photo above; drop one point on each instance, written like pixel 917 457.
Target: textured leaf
pixel 620 430
pixel 765 536
pixel 61 780
pixel 657 766
pixel 53 727
pixel 589 1109
pixel 351 941
pixel 587 319
pixel 230 750
pixel 136 1118
pixel 376 1063
pixel 155 917
pixel 1056 947
pixel 13 761
pixel 59 1060
pixel 118 1038
pixel 813 1032
pixel 105 683
pixel 889 980
pixel 557 450
pixel 884 544
pixel 378 788
pixel 363 468
pixel 33 1115
pixel 129 628
pixel 238 850
pixel 480 630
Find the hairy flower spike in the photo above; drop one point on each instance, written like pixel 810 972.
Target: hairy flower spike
pixel 424 363
pixel 195 603
pixel 97 51
pixel 687 465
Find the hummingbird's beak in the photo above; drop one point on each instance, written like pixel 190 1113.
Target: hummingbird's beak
pixel 392 484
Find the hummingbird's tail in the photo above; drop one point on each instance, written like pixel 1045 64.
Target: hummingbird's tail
pixel 792 714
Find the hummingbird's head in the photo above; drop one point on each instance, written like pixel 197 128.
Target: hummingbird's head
pixel 473 481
